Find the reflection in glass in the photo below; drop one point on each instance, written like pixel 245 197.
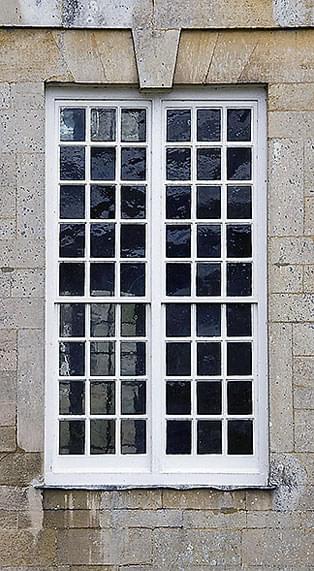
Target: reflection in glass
pixel 239 279
pixel 72 397
pixel 103 124
pixel 102 201
pixel 102 322
pixel 178 279
pixel 208 241
pixel 102 436
pixel 133 163
pixel 103 163
pixel 178 241
pixel 133 436
pixel 178 202
pixel 239 359
pixel 72 320
pixel 178 319
pixel 71 437
pixel 133 397
pixel 102 279
pixel 239 202
pixel 132 241
pixel 178 359
pixel 239 244
pixel 209 397
pixel 132 279
pixel 102 397
pixel 208 319
pixel 239 124
pixel 133 358
pixel 208 279
pixel 239 319
pixel 178 164
pixel 179 436
pixel 208 164
pixel 72 201
pixel 102 358
pixel 208 202
pixel 240 437
pixel 178 397
pixel 209 437
pixel 72 124
pixel 239 163
pixel 72 240
pixel 133 125
pixel 71 279
pixel 239 397
pixel 178 125
pixel 208 359
pixel 133 320
pixel 102 240
pixel 72 163
pixel 71 358
pixel 208 124
pixel 133 201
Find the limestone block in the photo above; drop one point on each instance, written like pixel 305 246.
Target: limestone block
pixel 303 339
pixel 146 518
pixel 104 547
pixel 195 53
pixel 291 97
pixel 8 355
pixel 291 307
pixel 207 519
pixel 116 53
pixel 7 229
pixel 8 387
pixel 303 371
pixel 68 519
pixel 21 313
pixel 181 549
pixel 308 284
pixel 135 499
pixel 19 469
pixel 303 397
pixel 24 547
pixel 309 167
pixel 286 279
pixel 7 185
pixel 30 405
pixel 203 499
pixel 21 253
pixel 31 195
pixel 280 383
pixel 5 283
pixel 309 216
pixel 29 95
pixel 285 251
pixel 285 188
pixel 281 547
pixel 5 96
pixel 280 520
pixel 22 132
pixel 156 53
pixel 81 57
pixel 304 430
pixel 27 283
pixel 106 13
pixel 293 12
pixel 259 500
pixel 231 55
pixel 13 498
pixel 8 520
pixel 7 438
pixel 7 413
pixel 290 124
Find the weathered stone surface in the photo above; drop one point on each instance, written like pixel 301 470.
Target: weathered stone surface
pixel 117 69
pixel 303 398
pixel 291 307
pixel 7 229
pixel 291 97
pixel 96 500
pixel 31 196
pixel 27 283
pixel 286 279
pixel 207 519
pixel 19 469
pixel 309 167
pixel 24 547
pixel 309 216
pixel 303 371
pixel 21 313
pixel 259 500
pixel 290 125
pixel 286 547
pixel 308 282
pixel 8 356
pixel 156 53
pixel 7 438
pixel 22 132
pixel 194 57
pixel 7 185
pixel 288 476
pixel 280 520
pixel 203 499
pixel 21 253
pixel 292 12
pixel 13 498
pixel 304 430
pixel 5 96
pixel 303 339
pixel 285 251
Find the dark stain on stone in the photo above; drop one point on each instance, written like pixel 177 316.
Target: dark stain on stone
pixel 70 10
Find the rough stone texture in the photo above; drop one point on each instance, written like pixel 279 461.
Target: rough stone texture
pixel 156 53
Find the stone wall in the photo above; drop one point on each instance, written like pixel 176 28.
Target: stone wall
pixel 154 529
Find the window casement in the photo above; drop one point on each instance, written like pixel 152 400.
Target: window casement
pixel 156 288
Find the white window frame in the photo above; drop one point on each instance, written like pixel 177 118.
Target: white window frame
pixel 155 471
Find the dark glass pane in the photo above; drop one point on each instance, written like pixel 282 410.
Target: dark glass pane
pixel 178 397
pixel 72 124
pixel 102 358
pixel 72 320
pixel 103 124
pixel 102 201
pixel 103 163
pixel 102 397
pixel 208 241
pixel 209 398
pixel 133 320
pixel 71 279
pixel 178 279
pixel 179 436
pixel 239 124
pixel 239 319
pixel 72 240
pixel 239 244
pixel 240 397
pixel 178 202
pixel 72 397
pixel 133 125
pixel 178 320
pixel 239 202
pixel 178 241
pixel 239 279
pixel 240 437
pixel 208 202
pixel 133 397
pixel 208 279
pixel 71 358
pixel 239 163
pixel 132 279
pixel 72 163
pixel 133 437
pixel 209 437
pixel 133 163
pixel 102 240
pixel 72 201
pixel 133 358
pixel 208 319
pixel 208 124
pixel 208 359
pixel 102 321
pixel 209 164
pixel 102 436
pixel 178 163
pixel 239 359
pixel 132 241
pixel 178 125
pixel 71 436
pixel 178 359
pixel 101 279
pixel 133 201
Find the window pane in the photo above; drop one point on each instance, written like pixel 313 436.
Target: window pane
pixel 102 436
pixel 208 359
pixel 133 320
pixel 178 125
pixel 72 124
pixel 103 124
pixel 209 397
pixel 102 397
pixel 239 359
pixel 71 279
pixel 209 437
pixel 72 320
pixel 239 163
pixel 178 320
pixel 239 124
pixel 133 125
pixel 103 163
pixel 71 358
pixel 102 358
pixel 72 201
pixel 178 241
pixel 102 240
pixel 239 320
pixel 102 322
pixel 178 279
pixel 132 241
pixel 72 240
pixel 209 164
pixel 133 163
pixel 133 359
pixel 132 279
pixel 240 437
pixel 178 202
pixel 239 243
pixel 208 241
pixel 208 124
pixel 178 359
pixel 133 397
pixel 240 397
pixel 208 279
pixel 208 202
pixel 239 279
pixel 208 320
pixel 72 397
pixel 179 436
pixel 178 397
pixel 71 437
pixel 72 163
pixel 133 437
pixel 102 201
pixel 239 202
pixel 178 164
pixel 133 201
pixel 102 279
